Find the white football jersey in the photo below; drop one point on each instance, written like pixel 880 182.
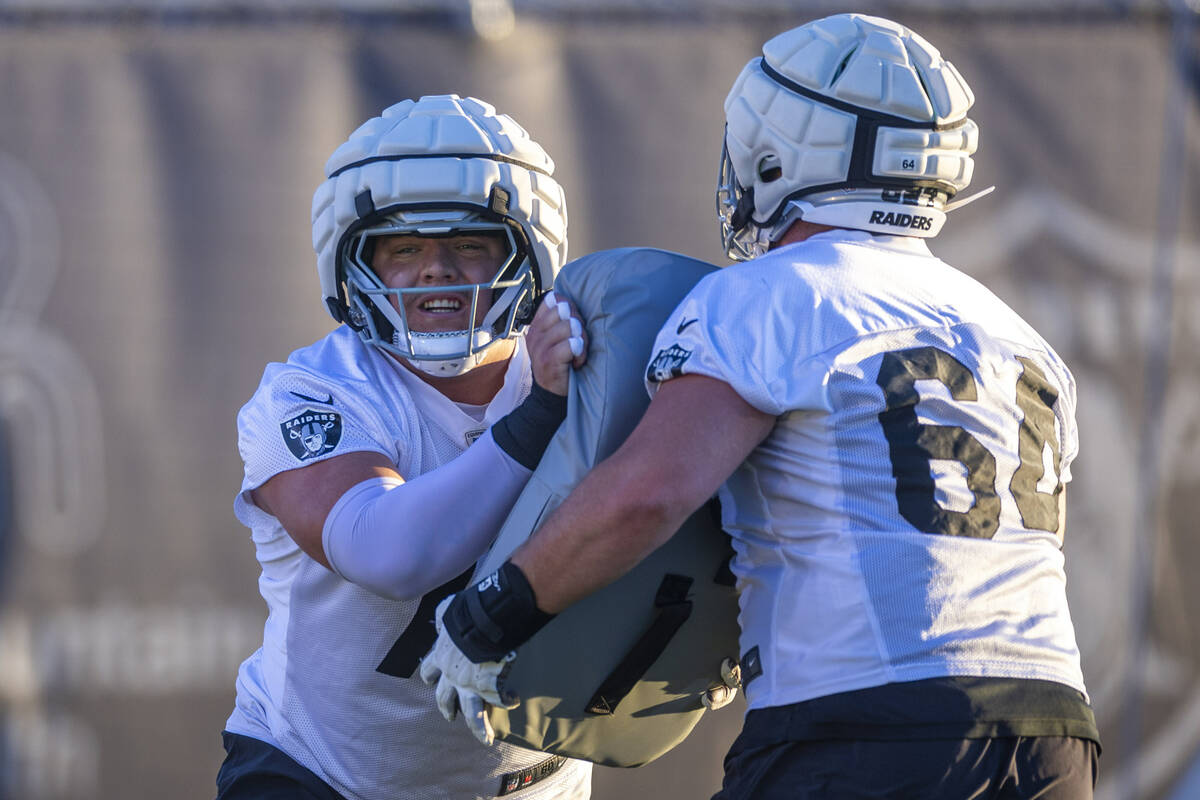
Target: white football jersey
pixel 902 521
pixel 312 689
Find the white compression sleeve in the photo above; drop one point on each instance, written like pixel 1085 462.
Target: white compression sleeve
pixel 402 539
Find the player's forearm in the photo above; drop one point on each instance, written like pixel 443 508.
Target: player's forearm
pixel 400 540
pixel 693 435
pixel 615 518
pixel 585 544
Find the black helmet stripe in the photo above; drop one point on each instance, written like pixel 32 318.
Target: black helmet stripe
pixel 411 156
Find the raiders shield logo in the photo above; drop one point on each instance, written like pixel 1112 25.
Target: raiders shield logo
pixel 667 364
pixel 312 433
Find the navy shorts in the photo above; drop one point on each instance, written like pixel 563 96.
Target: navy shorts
pixel 255 770
pixel 1009 768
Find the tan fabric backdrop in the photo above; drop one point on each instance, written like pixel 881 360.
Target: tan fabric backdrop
pixel 155 180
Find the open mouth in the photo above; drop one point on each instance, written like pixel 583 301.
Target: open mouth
pixel 441 305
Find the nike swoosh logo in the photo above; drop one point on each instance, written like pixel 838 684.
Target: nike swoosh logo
pixel 326 402
pixel 684 324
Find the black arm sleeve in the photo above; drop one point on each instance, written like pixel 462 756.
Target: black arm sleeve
pixel 526 431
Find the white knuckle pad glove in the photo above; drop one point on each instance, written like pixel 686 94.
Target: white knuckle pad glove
pixel 464 685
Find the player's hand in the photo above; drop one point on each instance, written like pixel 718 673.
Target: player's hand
pixel 722 694
pixel 557 342
pixel 463 685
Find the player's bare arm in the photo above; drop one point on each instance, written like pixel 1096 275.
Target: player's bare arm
pixel 302 498
pixel 694 434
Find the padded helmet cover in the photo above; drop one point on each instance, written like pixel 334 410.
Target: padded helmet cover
pixel 839 118
pixel 438 164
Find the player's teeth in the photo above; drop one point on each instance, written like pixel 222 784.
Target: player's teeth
pixel 441 305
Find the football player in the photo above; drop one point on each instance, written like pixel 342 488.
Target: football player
pixel 381 460
pixel 890 442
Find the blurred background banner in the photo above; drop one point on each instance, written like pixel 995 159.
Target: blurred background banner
pixel 157 164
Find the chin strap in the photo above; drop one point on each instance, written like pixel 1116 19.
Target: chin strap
pixel 971 198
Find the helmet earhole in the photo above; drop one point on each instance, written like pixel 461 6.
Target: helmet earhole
pixel 769 168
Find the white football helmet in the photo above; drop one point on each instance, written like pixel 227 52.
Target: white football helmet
pixel 852 121
pixel 438 166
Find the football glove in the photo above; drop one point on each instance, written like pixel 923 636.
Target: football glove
pixel 722 694
pixel 462 685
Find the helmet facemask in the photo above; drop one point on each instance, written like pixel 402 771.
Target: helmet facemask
pixel 378 311
pixel 741 236
pixel 435 167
